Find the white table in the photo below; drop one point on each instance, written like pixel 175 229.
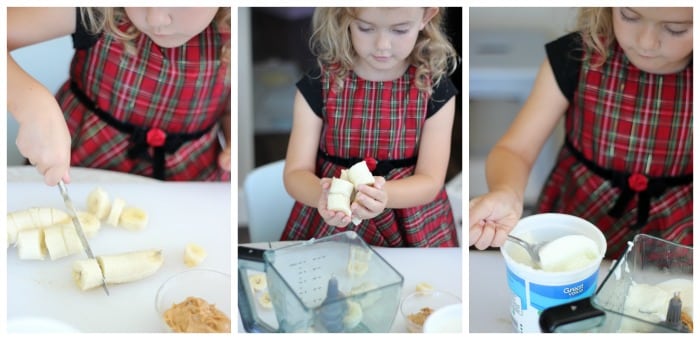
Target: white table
pixel 440 267
pixel 489 295
pixel 179 213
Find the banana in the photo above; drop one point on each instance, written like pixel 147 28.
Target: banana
pixel 359 174
pixel 258 282
pixel 98 203
pixel 194 254
pixel 424 287
pixel 117 268
pixel 116 211
pixel 32 218
pixel 54 241
pixel 339 196
pixel 357 268
pixel 91 224
pixel 265 300
pixel 133 218
pixel 30 244
pixel 71 239
pixel 353 316
pixel 365 294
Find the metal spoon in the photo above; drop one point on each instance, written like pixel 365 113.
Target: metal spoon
pixel 532 249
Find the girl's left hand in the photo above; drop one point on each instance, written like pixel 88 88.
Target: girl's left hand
pixel 370 201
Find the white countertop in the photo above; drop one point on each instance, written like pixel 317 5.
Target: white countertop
pixel 179 213
pixel 439 267
pixel 489 295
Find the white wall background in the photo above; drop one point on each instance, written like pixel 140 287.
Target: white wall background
pixel 553 21
pixel 48 62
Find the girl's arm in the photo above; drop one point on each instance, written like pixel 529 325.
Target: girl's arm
pixel 300 179
pixel 43 136
pixel 511 159
pixel 431 167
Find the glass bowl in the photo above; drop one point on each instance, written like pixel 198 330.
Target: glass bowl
pixel 418 306
pixel 212 286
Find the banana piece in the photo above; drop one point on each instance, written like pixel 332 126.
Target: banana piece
pixel 339 196
pixel 359 174
pixel 71 239
pixel 133 218
pixel 54 241
pixel 353 316
pixel 194 254
pixel 30 244
pixel 91 224
pixel 424 287
pixel 357 268
pixel 265 300
pixel 258 282
pixel 117 268
pixel 32 218
pixel 365 294
pixel 98 203
pixel 116 211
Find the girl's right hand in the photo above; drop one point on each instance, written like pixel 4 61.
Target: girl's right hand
pixel 492 217
pixel 333 218
pixel 45 141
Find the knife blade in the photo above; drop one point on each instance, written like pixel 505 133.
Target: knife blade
pixel 79 227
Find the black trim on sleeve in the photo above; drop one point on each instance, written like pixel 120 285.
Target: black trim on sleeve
pixel 82 39
pixel 442 93
pixel 565 56
pixel 310 88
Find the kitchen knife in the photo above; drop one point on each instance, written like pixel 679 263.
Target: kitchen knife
pixel 79 227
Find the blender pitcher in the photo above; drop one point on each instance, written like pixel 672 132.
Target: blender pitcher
pixel 332 284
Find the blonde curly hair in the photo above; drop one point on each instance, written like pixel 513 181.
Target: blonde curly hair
pixel 433 55
pixel 108 19
pixel 595 25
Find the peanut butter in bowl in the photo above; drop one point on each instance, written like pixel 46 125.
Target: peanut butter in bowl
pixel 195 315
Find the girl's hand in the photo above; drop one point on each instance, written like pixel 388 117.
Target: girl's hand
pixel 225 159
pixel 370 201
pixel 45 141
pixel 333 218
pixel 492 217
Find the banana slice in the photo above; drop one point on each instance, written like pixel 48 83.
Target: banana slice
pixel 359 174
pixel 133 218
pixel 98 203
pixel 258 282
pixel 117 268
pixel 353 316
pixel 339 196
pixel 30 244
pixel 91 224
pixel 357 268
pixel 194 254
pixel 424 287
pixel 71 239
pixel 365 294
pixel 115 212
pixel 265 300
pixel 32 218
pixel 54 241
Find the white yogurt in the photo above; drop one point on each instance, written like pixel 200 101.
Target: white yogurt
pixel 568 253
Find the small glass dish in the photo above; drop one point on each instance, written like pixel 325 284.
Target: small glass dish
pixel 418 306
pixel 212 286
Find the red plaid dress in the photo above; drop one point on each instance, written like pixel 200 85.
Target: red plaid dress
pixel 180 90
pixel 624 119
pixel 383 120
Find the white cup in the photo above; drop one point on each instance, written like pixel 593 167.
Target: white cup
pixel 533 290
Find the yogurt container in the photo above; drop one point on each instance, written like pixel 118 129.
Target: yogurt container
pixel 581 246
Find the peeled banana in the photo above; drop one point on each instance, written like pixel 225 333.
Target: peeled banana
pixel 133 218
pixel 32 218
pixel 194 254
pixel 353 315
pixel 118 268
pixel 258 282
pixel 118 213
pixel 115 211
pixel 98 203
pixel 30 244
pixel 342 191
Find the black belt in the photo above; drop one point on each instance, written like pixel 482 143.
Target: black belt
pixel 142 137
pixel 632 183
pixel 382 167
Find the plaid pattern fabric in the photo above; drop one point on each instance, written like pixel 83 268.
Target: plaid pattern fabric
pixel 381 120
pixel 179 90
pixel 628 120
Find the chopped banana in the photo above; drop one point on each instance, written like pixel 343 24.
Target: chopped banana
pixel 258 282
pixel 30 244
pixel 265 300
pixel 353 316
pixel 116 211
pixel 339 196
pixel 357 268
pixel 32 218
pixel 359 174
pixel 55 243
pixel 194 254
pixel 98 203
pixel 424 287
pixel 133 218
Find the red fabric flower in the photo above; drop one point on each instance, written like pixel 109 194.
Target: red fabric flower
pixel 638 182
pixel 371 163
pixel 155 137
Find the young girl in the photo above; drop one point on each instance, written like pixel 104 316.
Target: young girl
pixel 148 93
pixel 624 84
pixel 382 92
